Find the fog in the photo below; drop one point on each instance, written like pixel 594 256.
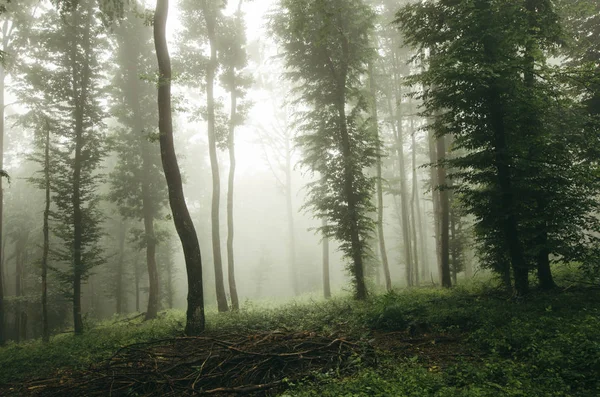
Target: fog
pixel 277 245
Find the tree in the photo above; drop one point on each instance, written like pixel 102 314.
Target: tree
pixel 389 76
pixel 496 95
pixel 202 24
pixel 14 24
pixel 181 217
pixel 234 60
pixel 70 45
pixel 38 120
pixel 379 183
pixel 137 181
pixel 326 51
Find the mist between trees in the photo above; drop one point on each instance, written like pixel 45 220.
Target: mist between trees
pixel 206 154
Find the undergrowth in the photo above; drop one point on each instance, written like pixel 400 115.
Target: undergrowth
pixel 547 344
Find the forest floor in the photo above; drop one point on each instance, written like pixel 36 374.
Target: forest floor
pixel 471 341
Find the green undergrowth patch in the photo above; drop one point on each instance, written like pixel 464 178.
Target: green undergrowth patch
pixel 65 351
pixel 546 344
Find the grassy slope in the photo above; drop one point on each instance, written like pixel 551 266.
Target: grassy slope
pixel 465 342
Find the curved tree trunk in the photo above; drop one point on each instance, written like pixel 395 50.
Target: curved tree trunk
pixel 209 17
pixel 183 222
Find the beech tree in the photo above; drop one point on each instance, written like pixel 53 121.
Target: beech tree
pixel 326 49
pixel 234 59
pixel 195 319
pixel 202 23
pixel 137 182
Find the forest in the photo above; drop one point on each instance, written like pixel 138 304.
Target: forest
pixel 300 198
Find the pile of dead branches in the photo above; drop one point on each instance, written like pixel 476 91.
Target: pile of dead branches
pixel 236 364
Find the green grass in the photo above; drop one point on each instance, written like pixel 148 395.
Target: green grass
pixel 35 359
pixel 547 344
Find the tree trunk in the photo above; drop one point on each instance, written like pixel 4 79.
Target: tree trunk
pixel 358 267
pixel 404 213
pixel 2 82
pixel 235 304
pixel 153 290
pixel 209 18
pixel 454 248
pixel 544 272
pixel 80 91
pixel 290 217
pixel 18 286
pixel 445 213
pixel 149 209
pixel 183 222
pixel 137 284
pixel 435 194
pixel 326 277
pixel 380 235
pixel 419 221
pixel 46 230
pixel 170 282
pixel 414 198
pixel 120 263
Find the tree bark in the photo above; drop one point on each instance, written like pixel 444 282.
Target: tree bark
pixel 46 231
pixel 544 272
pixel 153 290
pixel 137 283
pixel 209 18
pixel 82 97
pixel 509 224
pixel 195 323
pixel 120 263
pixel 326 276
pixel 235 304
pixel 404 213
pixel 413 210
pixel 380 235
pixel 435 194
pixel 454 250
pixel 361 287
pixel 445 214
pixel 170 282
pixel 2 281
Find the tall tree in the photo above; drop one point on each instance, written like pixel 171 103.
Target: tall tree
pixel 506 122
pixel 379 183
pixel 137 182
pixel 234 59
pixel 326 51
pixel 202 26
pixel 181 217
pixel 63 78
pixel 211 11
pixel 14 23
